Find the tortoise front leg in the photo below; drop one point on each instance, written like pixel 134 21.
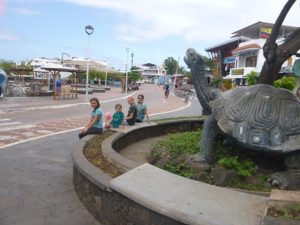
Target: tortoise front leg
pixel 207 142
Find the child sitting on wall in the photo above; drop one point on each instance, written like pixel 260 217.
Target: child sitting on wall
pixel 117 119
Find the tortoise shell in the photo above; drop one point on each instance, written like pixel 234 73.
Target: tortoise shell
pixel 260 116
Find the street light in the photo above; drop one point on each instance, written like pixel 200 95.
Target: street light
pixel 106 72
pixel 126 82
pixel 62 57
pixel 89 30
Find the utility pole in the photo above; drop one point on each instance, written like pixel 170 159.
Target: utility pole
pixel 126 80
pixel 177 67
pixel 131 60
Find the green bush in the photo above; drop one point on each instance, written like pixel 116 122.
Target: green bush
pixel 244 169
pixel 174 152
pixel 252 78
pixel 216 83
pixel 286 82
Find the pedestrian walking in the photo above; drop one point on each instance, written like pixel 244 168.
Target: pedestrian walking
pixel 94 125
pixel 167 90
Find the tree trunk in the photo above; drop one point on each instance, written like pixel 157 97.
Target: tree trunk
pixel 281 53
pixel 276 55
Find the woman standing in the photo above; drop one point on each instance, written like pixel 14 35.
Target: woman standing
pixel 141 110
pixel 95 125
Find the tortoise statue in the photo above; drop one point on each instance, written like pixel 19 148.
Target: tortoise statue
pixel 259 117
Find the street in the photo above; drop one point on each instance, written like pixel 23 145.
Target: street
pixel 36 171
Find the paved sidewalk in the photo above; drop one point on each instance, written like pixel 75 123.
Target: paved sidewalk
pixel 36 176
pixel 18 134
pixel 19 104
pixel 36 184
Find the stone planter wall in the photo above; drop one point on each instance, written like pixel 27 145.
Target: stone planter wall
pixel 111 208
pixel 93 186
pixel 156 130
pixel 111 202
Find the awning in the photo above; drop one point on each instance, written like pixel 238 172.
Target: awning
pixel 40 70
pixel 246 48
pixel 232 77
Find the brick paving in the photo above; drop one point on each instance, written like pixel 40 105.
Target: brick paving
pixel 41 130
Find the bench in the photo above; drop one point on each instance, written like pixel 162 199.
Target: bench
pixel 98 90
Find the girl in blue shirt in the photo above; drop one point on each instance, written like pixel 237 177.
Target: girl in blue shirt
pixel 118 117
pixel 94 125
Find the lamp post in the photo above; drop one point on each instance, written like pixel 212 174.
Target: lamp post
pixel 126 82
pixel 89 30
pixel 106 72
pixel 62 57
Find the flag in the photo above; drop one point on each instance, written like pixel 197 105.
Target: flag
pixel 265 32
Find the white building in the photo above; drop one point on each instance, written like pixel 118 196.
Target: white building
pixel 242 54
pixel 153 73
pixel 249 54
pixel 40 63
pixel 74 62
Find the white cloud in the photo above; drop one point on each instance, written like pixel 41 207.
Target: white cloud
pixel 25 11
pixel 192 20
pixel 9 36
pixel 1 7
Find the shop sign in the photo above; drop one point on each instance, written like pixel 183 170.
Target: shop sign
pixel 237 71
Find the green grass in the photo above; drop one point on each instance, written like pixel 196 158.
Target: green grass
pixel 258 185
pixel 181 143
pixel 244 168
pixel 290 211
pixel 173 153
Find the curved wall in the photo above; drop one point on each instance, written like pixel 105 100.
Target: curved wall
pixel 93 186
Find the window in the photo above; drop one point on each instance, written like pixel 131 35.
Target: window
pixel 251 61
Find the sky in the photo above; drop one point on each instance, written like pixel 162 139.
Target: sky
pixel 153 30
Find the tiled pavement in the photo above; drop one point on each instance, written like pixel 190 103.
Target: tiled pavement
pixel 25 132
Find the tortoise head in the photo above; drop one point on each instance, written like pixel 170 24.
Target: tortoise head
pixel 193 58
